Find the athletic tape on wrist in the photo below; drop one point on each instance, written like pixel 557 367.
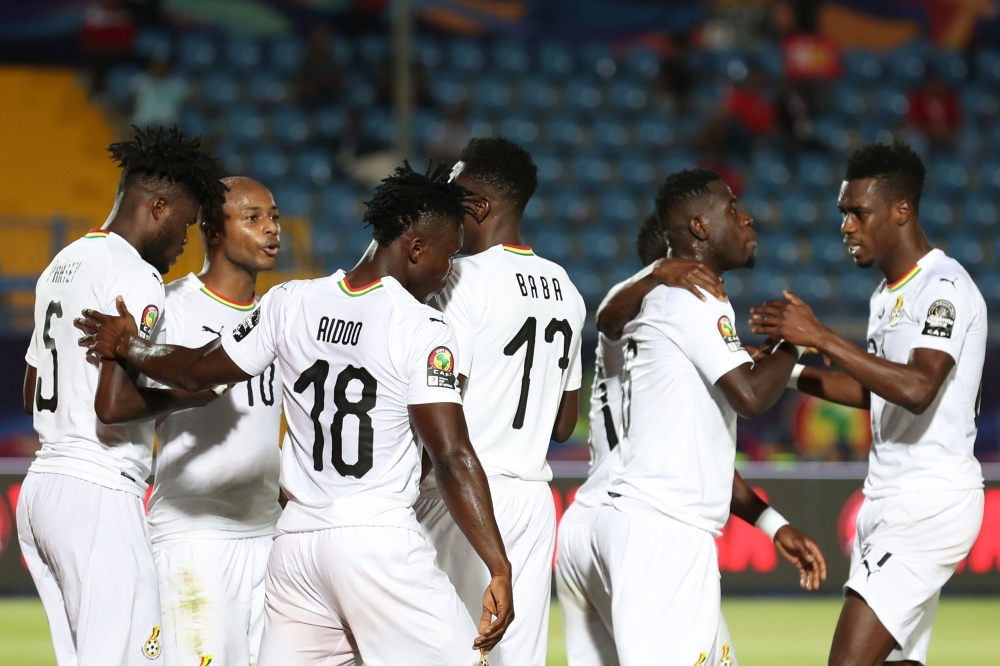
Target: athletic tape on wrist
pixel 793 379
pixel 770 522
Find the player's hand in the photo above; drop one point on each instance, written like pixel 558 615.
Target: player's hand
pixel 498 602
pixel 103 333
pixel 689 274
pixel 804 554
pixel 790 320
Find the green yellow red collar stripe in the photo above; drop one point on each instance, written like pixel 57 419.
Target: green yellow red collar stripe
pixel 359 291
pixel 96 233
pixel 522 250
pixel 216 296
pixel 906 278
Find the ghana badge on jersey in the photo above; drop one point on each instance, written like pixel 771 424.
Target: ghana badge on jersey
pixel 151 648
pixel 441 368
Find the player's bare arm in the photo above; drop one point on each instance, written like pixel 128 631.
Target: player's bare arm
pixel 801 551
pixel 752 389
pixel 569 410
pixel 116 338
pixel 624 301
pixel 28 390
pixel 119 400
pixel 913 385
pixel 466 492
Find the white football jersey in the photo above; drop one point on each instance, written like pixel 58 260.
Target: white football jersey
pixel 88 273
pixel 934 306
pixel 678 451
pixel 518 319
pixel 352 359
pixel 217 468
pixel 605 420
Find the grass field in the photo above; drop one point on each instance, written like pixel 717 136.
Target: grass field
pixel 766 632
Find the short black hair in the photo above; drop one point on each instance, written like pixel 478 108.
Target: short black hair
pixel 158 155
pixel 681 187
pixel 899 170
pixel 503 166
pixel 651 242
pixel 404 198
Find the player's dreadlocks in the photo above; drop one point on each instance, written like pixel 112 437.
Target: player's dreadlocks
pixel 406 196
pixel 898 169
pixel 679 188
pixel 503 166
pixel 160 154
pixel 651 242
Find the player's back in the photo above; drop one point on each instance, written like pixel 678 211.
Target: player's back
pixel 518 320
pixel 605 419
pixel 351 361
pixel 88 274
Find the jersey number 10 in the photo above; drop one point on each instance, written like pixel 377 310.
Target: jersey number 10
pixel 526 335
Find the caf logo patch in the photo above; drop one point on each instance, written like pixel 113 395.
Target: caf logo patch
pixel 728 332
pixel 897 312
pixel 725 659
pixel 250 323
pixel 151 648
pixel 940 319
pixel 441 368
pixel 148 320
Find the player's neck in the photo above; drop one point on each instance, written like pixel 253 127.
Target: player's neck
pixel 503 232
pixel 128 230
pixel 904 256
pixel 697 255
pixel 229 281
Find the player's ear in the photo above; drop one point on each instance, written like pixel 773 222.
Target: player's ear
pixel 415 248
pixel 902 212
pixel 699 229
pixel 158 208
pixel 480 206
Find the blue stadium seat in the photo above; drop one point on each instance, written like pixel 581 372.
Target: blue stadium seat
pixel 966 249
pixel 571 205
pixel 599 244
pixel 770 170
pixel 628 96
pixel 780 248
pixel 610 132
pixel 798 210
pixel 426 125
pixel 989 176
pixel 466 55
pixel 772 61
pixel 758 205
pixel 618 207
pixel 591 169
pixel 564 131
pixel 596 58
pixel 339 202
pixel 677 160
pixel 358 239
pixel 654 132
pixel 862 66
pixel 362 93
pixel 988 66
pixel 949 174
pixel 935 211
pixel 552 243
pixel 766 285
pixel 536 209
pixel 850 100
pixel 623 270
pixel 121 82
pixel 978 102
pixel 449 91
pixel 829 249
pixel 374 49
pixel 538 93
pixel 815 172
pixel 220 89
pixel 290 125
pixel 268 164
pixel 980 212
pixel 314 165
pixel 587 282
pixel 330 122
pixel 950 64
pixel 892 104
pixel 555 58
pixel 267 88
pixel 643 63
pixel 152 44
pixel 511 56
pixel 492 92
pixel 244 124
pixel 874 131
pixel 193 122
pixel 286 54
pixel 834 218
pixel 342 49
pixel 832 133
pixel 242 52
pixel 196 51
pixel 637 170
pixel 520 129
pixel 906 66
pixel 583 95
pixel 233 160
pixel 550 168
pixel 380 125
pixel 857 286
pixel 732 63
pixel 427 52
pixel 812 286
pixel 989 284
pixel 293 199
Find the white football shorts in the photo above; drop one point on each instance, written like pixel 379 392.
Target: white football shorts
pixel 663 579
pixel 88 552
pixel 906 549
pixel 353 595
pixel 212 599
pixel 586 605
pixel 526 516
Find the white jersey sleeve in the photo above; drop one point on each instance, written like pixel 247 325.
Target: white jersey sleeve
pixel 31 356
pixel 706 334
pixel 463 309
pixel 143 296
pixel 253 345
pixel 430 365
pixel 948 312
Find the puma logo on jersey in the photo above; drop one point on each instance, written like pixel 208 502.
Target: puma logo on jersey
pixel 209 330
pixel 544 288
pixel 878 565
pixel 440 321
pixel 951 282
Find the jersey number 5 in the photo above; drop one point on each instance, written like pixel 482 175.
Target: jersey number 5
pixel 49 404
pixel 526 335
pixel 316 376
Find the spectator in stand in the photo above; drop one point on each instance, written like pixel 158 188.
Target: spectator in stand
pixel 676 76
pixel 158 95
pixel 935 111
pixel 319 80
pixel 448 142
pixel 745 116
pixel 106 38
pixel 795 109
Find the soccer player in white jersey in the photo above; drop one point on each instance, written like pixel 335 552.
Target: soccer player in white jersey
pixel 215 495
pixel 80 518
pixel 351 576
pixel 686 377
pixel 517 320
pixel 921 377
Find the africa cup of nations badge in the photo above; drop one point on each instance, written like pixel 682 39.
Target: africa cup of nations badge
pixel 728 332
pixel 441 368
pixel 940 319
pixel 151 648
pixel 148 320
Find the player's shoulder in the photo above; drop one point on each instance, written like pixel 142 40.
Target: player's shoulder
pixel 180 289
pixel 665 300
pixel 406 309
pixel 944 275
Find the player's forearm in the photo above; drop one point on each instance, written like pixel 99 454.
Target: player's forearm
pixel 836 387
pixel 623 302
pixel 120 401
pixel 746 504
pixel 176 366
pixel 765 383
